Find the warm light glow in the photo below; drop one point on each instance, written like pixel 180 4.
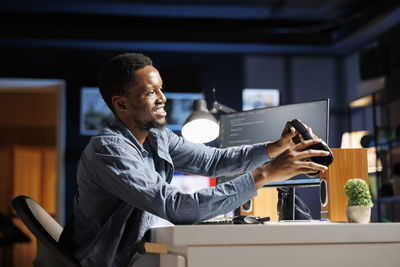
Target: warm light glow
pixel 200 131
pixel 352 140
pixel 361 102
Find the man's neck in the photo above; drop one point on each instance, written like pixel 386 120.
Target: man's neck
pixel 137 132
pixel 140 135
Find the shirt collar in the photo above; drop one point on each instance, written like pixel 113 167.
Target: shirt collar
pixel 117 124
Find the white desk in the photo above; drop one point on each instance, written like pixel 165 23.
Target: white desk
pixel 281 244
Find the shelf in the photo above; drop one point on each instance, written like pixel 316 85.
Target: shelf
pixel 361 102
pixel 379 87
pixel 381 98
pixel 370 86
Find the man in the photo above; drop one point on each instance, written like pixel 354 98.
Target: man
pixel 125 171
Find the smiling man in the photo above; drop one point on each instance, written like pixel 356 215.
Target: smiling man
pixel 125 171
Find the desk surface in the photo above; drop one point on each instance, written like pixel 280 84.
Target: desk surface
pixel 284 244
pixel 277 233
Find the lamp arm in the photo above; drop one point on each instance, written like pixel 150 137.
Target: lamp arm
pixel 217 107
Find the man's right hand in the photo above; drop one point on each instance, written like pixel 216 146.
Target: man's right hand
pixel 291 162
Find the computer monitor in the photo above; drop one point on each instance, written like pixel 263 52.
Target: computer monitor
pixel 94 111
pixel 179 107
pixel 266 124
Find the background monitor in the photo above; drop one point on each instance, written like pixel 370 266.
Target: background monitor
pixel 179 107
pixel 253 98
pixel 266 124
pixel 94 111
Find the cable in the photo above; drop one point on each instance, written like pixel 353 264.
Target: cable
pixel 284 195
pixel 306 212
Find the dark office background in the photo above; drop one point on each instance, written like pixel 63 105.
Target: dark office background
pixel 306 49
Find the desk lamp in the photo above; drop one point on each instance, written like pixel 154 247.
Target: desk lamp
pixel 201 126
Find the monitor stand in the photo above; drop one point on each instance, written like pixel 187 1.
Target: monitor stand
pixel 286 203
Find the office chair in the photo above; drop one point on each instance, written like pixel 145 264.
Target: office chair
pixel 46 230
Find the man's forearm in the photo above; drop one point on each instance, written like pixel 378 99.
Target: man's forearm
pixel 275 148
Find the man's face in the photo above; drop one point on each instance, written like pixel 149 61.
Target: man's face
pixel 145 100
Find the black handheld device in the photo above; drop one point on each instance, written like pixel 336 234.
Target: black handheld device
pixel 301 129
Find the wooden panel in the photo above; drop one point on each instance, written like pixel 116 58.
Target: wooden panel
pixel 28 109
pixel 27 172
pixel 26 135
pixel 5 179
pixel 35 176
pixel 348 164
pixel 27 181
pixel 49 180
pixel 264 204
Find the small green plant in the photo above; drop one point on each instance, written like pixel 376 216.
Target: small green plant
pixel 358 193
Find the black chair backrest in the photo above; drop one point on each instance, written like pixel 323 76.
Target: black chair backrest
pixel 43 226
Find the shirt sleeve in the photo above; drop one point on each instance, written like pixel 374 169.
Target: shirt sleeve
pixel 120 170
pixel 210 161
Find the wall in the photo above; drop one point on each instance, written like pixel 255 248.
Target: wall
pixel 302 79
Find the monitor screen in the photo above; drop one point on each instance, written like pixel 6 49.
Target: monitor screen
pixel 94 111
pixel 266 124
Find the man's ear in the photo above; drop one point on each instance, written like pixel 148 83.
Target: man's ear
pixel 118 103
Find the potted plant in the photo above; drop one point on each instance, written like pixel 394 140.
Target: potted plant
pixel 359 204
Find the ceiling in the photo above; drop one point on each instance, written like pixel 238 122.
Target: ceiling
pixel 229 25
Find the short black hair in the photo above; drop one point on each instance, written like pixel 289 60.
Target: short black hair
pixel 119 74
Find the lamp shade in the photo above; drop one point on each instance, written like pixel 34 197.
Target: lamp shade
pixel 201 126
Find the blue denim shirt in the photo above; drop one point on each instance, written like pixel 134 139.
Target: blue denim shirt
pixel 119 192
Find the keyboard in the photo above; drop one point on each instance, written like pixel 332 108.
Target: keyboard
pixel 218 220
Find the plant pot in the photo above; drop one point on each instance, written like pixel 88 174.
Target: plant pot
pixel 358 214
